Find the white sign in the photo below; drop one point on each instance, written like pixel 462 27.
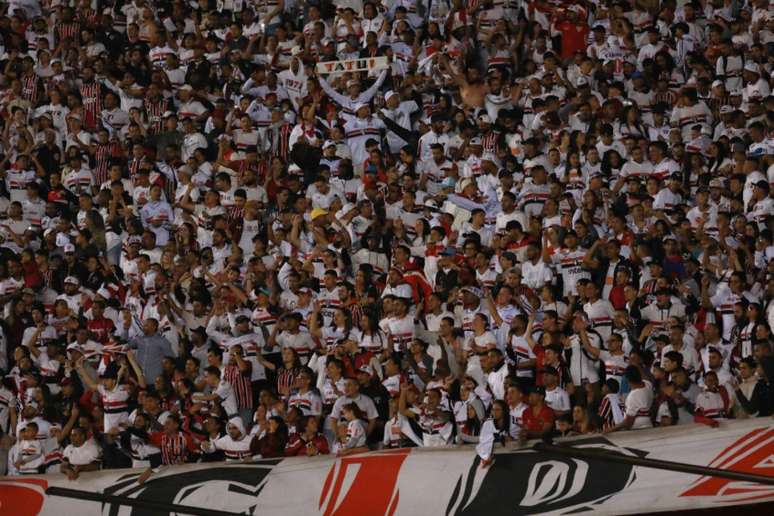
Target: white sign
pixel 365 64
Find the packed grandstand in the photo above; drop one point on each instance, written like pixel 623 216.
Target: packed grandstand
pixel 244 229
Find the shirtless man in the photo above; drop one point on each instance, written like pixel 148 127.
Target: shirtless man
pixel 473 89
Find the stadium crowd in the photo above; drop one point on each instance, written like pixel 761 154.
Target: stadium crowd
pixel 494 220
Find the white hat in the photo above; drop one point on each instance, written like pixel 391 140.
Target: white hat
pixel 724 110
pixel 751 67
pixel 485 118
pixel 475 141
pixel 717 84
pixel 466 183
pixel 329 143
pixel 69 248
pixel 389 95
pixel 581 81
pixel 237 422
pixel 360 106
pixel 186 87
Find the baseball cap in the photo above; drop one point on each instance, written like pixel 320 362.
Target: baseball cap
pixel 72 280
pixel 318 212
pixel 329 143
pixel 69 248
pixel 486 119
pixel 475 141
pixel 365 368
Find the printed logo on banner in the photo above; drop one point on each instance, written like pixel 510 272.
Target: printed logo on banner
pixel 359 481
pixel 223 487
pixel 527 482
pixel 752 453
pixel 22 496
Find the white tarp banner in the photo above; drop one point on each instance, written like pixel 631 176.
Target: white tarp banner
pixel 441 481
pixel 365 64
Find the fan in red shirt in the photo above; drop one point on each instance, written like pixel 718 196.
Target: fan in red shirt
pixel 538 419
pixel 309 441
pixel 574 31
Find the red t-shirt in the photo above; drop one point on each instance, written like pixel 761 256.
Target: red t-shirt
pixel 574 37
pixel 536 422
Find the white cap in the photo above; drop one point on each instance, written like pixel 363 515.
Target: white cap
pixel 485 118
pixel 186 87
pixel 329 143
pixel 475 141
pixel 466 183
pixel 72 280
pixel 69 248
pixel 389 95
pixel 751 67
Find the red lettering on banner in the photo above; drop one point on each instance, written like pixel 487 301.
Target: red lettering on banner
pixel 22 496
pixel 752 453
pixel 374 485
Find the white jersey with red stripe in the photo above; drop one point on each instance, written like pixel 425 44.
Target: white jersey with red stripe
pixel 401 330
pixel 600 314
pixel 358 131
pixel 569 263
pixel 329 302
pixel 724 301
pixel 309 403
pixel 615 365
pixel 302 343
pixel 711 404
pixel 252 345
pixel 115 405
pixel 234 450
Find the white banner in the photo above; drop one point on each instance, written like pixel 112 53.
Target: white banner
pixel 365 64
pixel 442 481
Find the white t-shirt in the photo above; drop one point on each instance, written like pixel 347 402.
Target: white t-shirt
pixel 558 400
pixel 82 455
pixel 638 403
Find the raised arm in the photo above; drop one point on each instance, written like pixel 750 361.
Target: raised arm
pixel 368 94
pixel 84 375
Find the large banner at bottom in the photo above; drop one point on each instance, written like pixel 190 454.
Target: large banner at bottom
pixel 440 481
